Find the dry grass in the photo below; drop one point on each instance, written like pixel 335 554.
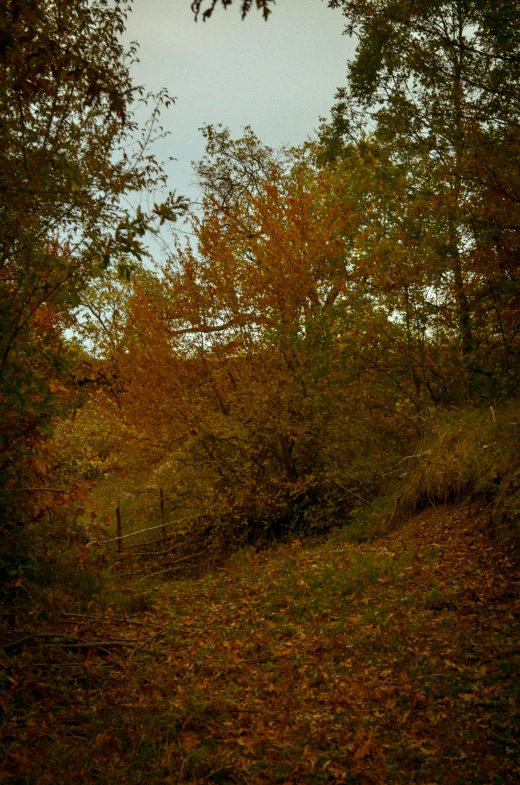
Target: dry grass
pixel 466 456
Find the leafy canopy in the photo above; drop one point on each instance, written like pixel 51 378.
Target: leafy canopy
pixel 71 157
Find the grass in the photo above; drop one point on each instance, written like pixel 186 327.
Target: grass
pixel 385 662
pixel 466 455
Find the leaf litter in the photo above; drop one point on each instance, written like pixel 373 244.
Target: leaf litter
pixel 314 662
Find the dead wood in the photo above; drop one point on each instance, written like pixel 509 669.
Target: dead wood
pixel 262 659
pixel 15 643
pixel 171 566
pixel 36 490
pixel 110 619
pixel 94 643
pixel 69 642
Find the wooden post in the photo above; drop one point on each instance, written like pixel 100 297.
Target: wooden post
pixel 161 495
pixel 119 531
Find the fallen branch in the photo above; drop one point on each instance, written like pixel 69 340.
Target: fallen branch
pixel 142 544
pixel 36 490
pixel 115 619
pixel 98 644
pixel 71 642
pixel 27 635
pixel 150 553
pixel 151 638
pixel 172 565
pixel 194 537
pixel 14 644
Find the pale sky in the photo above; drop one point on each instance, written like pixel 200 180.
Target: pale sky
pixel 278 76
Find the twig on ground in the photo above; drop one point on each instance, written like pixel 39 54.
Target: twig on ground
pixel 97 644
pixel 181 772
pixel 60 665
pixel 103 618
pixel 170 567
pixel 71 642
pixel 14 644
pixel 152 637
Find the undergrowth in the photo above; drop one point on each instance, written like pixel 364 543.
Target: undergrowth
pixel 350 657
pixel 305 664
pixel 464 456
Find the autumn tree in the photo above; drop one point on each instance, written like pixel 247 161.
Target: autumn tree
pixel 279 368
pixel 70 151
pixel 439 82
pixel 246 369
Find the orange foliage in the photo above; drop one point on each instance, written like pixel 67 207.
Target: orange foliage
pixel 239 365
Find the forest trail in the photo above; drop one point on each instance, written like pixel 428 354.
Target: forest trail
pixel 323 662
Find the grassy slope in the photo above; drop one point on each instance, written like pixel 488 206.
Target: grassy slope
pixel 393 662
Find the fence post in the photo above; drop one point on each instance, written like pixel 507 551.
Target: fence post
pixel 161 495
pixel 119 531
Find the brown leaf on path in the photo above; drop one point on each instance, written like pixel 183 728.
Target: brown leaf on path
pixel 364 750
pixel 189 741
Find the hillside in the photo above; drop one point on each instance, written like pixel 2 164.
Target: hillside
pixel 313 662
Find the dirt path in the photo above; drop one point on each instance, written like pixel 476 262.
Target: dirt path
pixel 395 662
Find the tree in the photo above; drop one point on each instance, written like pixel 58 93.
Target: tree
pixel 439 83
pixel 441 80
pixel 246 370
pixel 69 152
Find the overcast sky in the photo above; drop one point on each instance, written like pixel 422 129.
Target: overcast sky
pixel 278 76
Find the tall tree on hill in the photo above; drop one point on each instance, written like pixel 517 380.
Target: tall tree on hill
pixel 441 81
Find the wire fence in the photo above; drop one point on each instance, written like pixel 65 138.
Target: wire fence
pixel 173 542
